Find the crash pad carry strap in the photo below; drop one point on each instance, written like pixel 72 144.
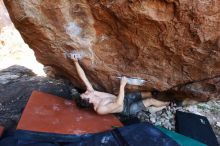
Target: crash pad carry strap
pixel 120 139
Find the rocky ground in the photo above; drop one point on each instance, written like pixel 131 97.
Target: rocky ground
pixel 166 117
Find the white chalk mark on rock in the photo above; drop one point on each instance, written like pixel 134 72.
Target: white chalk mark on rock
pixel 81 39
pixel 73 29
pixel 135 81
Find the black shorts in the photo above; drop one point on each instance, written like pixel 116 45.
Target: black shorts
pixel 132 104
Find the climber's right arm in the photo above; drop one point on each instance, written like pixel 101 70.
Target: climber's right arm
pixel 82 75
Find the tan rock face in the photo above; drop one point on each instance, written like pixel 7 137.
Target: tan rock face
pixel 166 42
pixel 4 18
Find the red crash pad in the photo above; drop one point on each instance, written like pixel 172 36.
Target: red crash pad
pixel 53 114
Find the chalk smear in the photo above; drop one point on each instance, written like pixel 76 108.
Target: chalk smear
pixel 81 39
pixel 78 36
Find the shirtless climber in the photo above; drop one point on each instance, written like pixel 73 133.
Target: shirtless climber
pixel 126 104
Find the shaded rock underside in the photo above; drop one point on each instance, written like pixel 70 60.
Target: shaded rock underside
pixel 171 44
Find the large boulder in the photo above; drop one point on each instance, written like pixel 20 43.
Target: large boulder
pixel 168 43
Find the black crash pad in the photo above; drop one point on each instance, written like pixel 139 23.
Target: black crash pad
pixel 196 127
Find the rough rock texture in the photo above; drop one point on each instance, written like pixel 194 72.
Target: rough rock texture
pixel 16 86
pixel 169 43
pixel 201 90
pixel 4 18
